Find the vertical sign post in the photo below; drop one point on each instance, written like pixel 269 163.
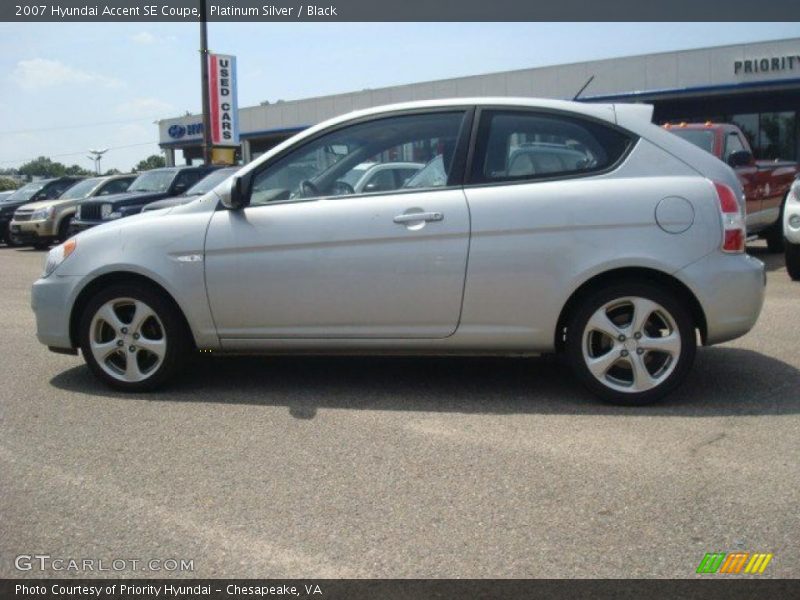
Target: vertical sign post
pixel 224 114
pixel 204 58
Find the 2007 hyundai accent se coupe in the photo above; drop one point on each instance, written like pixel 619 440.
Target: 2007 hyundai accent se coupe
pixel 535 226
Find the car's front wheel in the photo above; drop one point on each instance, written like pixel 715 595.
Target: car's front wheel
pixel 631 343
pixel 133 338
pixel 793 260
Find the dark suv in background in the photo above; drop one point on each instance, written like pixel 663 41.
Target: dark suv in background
pixel 146 188
pixel 43 189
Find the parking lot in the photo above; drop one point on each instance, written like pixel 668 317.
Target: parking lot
pixel 400 467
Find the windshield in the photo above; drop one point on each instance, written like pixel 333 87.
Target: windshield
pixel 152 181
pixel 26 192
pixel 699 137
pixel 209 183
pixel 80 189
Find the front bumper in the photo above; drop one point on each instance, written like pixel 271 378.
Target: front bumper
pixel 76 226
pixel 32 231
pixel 51 301
pixel 730 288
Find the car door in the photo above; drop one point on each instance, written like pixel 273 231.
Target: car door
pixel 308 258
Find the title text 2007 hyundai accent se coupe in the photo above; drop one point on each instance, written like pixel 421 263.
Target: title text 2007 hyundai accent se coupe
pixel 534 226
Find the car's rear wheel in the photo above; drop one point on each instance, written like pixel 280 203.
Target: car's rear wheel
pixel 631 343
pixel 133 338
pixel 793 260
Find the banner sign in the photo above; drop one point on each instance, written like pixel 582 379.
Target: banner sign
pixel 223 107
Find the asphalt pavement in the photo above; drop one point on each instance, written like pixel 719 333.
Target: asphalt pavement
pixel 398 467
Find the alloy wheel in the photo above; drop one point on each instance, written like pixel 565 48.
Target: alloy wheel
pixel 631 344
pixel 127 339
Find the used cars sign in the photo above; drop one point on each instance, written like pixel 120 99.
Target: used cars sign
pixel 222 100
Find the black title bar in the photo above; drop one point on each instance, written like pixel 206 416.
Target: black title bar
pixel 394 10
pixel 710 588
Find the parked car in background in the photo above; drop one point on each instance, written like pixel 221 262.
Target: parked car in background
pixel 41 223
pixel 146 188
pixel 617 260
pixel 791 230
pixel 766 182
pixel 378 177
pixel 6 194
pixel 208 183
pixel 42 189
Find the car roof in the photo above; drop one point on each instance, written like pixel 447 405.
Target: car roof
pixel 612 113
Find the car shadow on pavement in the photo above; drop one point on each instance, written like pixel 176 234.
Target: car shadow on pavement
pixel 773 260
pixel 724 381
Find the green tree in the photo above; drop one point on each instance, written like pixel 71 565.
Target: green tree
pixel 6 183
pixel 43 167
pixel 154 161
pixel 77 170
pixel 112 172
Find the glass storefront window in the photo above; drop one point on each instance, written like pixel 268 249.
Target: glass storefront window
pixel 777 135
pixel 771 135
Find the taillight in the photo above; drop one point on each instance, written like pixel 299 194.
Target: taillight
pixel 733 225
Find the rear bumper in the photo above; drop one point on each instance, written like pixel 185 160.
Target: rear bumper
pixel 730 289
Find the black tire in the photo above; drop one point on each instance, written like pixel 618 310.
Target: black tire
pixel 679 313
pixel 63 229
pixel 10 241
pixel 41 245
pixel 175 332
pixel 774 235
pixel 793 260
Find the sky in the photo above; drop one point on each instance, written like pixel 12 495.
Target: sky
pixel 69 87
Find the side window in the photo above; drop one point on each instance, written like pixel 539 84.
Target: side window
pixel 59 188
pixel 335 164
pixel 187 179
pixel 115 186
pixel 381 181
pixel 524 145
pixel 732 144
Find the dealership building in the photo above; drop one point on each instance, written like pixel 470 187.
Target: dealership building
pixel 755 85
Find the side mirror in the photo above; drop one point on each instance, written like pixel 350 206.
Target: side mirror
pixel 740 158
pixel 238 194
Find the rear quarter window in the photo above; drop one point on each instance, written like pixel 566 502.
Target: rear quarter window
pixel 526 145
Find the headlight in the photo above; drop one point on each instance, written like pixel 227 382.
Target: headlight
pixel 43 214
pixel 107 212
pixel 58 255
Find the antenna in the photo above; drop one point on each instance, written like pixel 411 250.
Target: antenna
pixel 585 85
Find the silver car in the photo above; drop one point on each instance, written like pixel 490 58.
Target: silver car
pixel 617 259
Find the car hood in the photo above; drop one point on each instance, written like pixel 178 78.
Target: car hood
pixel 48 203
pixel 171 201
pixel 126 198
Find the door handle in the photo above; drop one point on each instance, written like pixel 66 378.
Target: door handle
pixel 418 216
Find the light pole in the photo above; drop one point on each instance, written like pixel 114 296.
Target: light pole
pixel 96 155
pixel 204 80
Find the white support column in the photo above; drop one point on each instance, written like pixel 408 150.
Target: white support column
pixel 169 156
pixel 246 156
